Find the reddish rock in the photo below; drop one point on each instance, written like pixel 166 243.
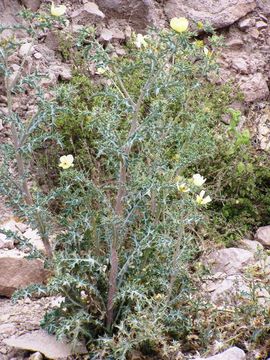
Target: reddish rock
pixel 18 272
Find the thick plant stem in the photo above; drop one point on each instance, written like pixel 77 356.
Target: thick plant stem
pixel 114 251
pixel 112 287
pixel 119 204
pixel 176 254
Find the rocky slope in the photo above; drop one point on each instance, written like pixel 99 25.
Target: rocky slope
pixel 245 60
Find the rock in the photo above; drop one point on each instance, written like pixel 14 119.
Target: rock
pixel 34 239
pixel 6 244
pixel 33 5
pixel 263 235
pixel 226 290
pixel 36 356
pixel 240 64
pixel 8 329
pixel 37 55
pixel 233 353
pixel 51 42
pixel 1 125
pixel 118 34
pixel 3 350
pixel 139 14
pixel 252 245
pixel 45 344
pixel 88 13
pixel 263 130
pixel 26 49
pixel 264 6
pixel 219 13
pixel 62 71
pixel 244 24
pixel 235 43
pixel 254 87
pixel 229 261
pixel 10 225
pixel 106 35
pixel 254 33
pixel 17 272
pixel 260 25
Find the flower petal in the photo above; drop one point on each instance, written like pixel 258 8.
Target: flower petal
pixel 70 158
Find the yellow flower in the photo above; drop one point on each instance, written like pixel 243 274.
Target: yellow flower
pixel 179 24
pixel 198 179
pixel 201 200
pixel 58 10
pixel 66 161
pixel 183 188
pixel 140 41
pixel 200 25
pixel 199 43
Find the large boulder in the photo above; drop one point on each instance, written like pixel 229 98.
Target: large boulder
pixel 219 13
pixel 18 272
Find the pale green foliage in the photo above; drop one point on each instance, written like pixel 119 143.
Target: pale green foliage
pixel 149 119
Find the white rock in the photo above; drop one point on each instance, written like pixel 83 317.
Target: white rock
pixel 44 343
pixel 37 55
pixel 233 353
pixel 263 235
pixel 229 261
pixel 26 49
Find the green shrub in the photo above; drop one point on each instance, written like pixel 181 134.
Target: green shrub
pixel 127 243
